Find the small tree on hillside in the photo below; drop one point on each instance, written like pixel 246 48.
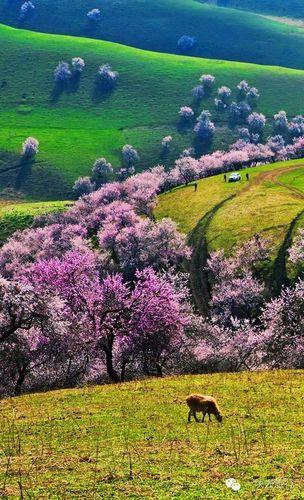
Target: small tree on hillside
pixel 186 43
pixel 130 156
pixel 280 122
pixel 243 89
pixel 166 141
pixel 220 105
pixel 62 72
pixel 186 113
pixel 198 93
pixel 101 171
pixel 107 78
pixel 204 127
pixel 82 186
pixel 30 148
pixel 252 96
pixel 224 94
pixel 94 15
pixel 256 122
pixel 26 9
pixel 78 64
pixel 207 82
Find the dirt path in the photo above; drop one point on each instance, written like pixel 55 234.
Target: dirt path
pixel 199 282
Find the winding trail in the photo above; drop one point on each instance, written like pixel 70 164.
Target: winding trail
pixel 199 280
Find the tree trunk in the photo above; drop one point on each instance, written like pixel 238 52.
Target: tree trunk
pixel 123 371
pixel 20 381
pixel 110 368
pixel 159 370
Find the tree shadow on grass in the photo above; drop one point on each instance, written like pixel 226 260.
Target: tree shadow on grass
pixel 201 147
pixel 91 29
pixel 25 168
pixel 101 92
pixel 58 89
pixel 184 127
pixel 72 85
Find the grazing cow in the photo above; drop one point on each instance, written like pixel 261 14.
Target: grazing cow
pixel 204 404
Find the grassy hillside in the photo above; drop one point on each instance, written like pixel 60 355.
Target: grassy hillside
pixel 18 215
pixel 221 215
pixel 291 8
pixel 133 440
pixel 221 33
pixel 79 125
pixel 188 207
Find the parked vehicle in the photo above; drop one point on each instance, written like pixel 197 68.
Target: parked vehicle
pixel 234 177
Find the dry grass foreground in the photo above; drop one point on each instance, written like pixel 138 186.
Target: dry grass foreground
pixel 133 441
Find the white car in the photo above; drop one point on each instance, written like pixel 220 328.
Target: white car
pixel 234 177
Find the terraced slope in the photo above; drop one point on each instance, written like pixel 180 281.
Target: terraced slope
pixel 221 33
pixel 80 124
pixel 133 441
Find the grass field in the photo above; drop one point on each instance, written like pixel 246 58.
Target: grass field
pixel 294 179
pixel 77 127
pixel 187 207
pixel 267 208
pixel 17 215
pixel 221 215
pixel 221 33
pixel 133 441
pixel 294 8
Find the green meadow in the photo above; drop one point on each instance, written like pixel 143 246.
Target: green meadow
pixel 19 215
pixel 223 215
pixel 132 440
pixel 78 125
pixel 293 9
pixel 221 33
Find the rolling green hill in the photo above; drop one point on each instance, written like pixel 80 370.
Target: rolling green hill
pixel 132 440
pixel 290 8
pixel 79 125
pixel 221 33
